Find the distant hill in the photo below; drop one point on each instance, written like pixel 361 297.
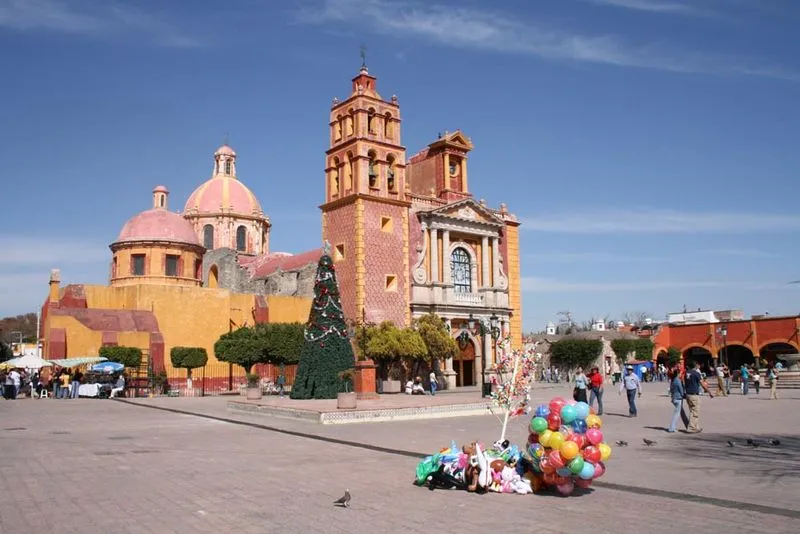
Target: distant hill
pixel 20 323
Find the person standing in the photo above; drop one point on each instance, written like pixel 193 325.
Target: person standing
pixel 434 383
pixel 596 381
pixel 676 395
pixel 581 384
pixel 745 379
pixel 16 380
pixel 76 384
pixel 757 380
pixel 772 376
pixel 631 384
pixel 694 383
pixel 63 391
pixel 721 388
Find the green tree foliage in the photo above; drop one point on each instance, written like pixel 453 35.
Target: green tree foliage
pixel 281 342
pixel 437 339
pixel 673 356
pixel 188 358
pixel 326 349
pixel 130 357
pixel 642 347
pixel 574 353
pixel 5 352
pixel 18 323
pixel 240 347
pixel 389 346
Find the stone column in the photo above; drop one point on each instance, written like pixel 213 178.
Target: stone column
pixel 449 373
pixel 495 261
pixel 487 350
pixel 434 233
pixel 446 256
pixel 485 282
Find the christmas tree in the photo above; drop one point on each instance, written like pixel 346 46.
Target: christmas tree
pixel 326 350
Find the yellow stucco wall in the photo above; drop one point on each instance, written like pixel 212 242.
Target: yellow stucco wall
pixel 187 316
pixel 155 261
pixel 514 285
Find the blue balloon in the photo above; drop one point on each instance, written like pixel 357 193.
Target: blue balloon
pixel 563 472
pixel 587 471
pixel 581 410
pixel 568 414
pixel 542 410
pixel 579 426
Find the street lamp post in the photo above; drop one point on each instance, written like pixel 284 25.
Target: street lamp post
pixel 723 331
pixel 481 328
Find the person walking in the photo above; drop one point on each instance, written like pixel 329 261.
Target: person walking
pixel 676 395
pixel 631 384
pixel 694 383
pixel 596 382
pixel 434 383
pixel 772 376
pixel 745 379
pixel 721 387
pixel 581 385
pixel 757 380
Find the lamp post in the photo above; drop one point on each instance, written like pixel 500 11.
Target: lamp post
pixel 480 327
pixel 723 331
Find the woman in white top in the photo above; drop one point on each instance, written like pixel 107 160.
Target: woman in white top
pixel 581 385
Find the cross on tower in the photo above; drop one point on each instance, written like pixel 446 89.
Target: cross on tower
pixel 363 55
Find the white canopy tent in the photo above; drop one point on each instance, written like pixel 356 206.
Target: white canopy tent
pixel 29 361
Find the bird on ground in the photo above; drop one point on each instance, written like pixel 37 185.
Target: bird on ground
pixel 344 500
pixel 730 443
pixel 752 442
pixel 649 442
pixel 775 442
pixel 622 443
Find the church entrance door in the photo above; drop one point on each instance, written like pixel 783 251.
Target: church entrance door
pixel 464 366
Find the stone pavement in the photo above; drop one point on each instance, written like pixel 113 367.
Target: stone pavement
pixel 117 467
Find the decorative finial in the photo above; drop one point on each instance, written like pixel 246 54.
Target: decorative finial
pixel 226 140
pixel 363 54
pixel 326 248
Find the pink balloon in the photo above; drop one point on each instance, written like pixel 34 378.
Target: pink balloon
pixel 594 435
pixel 599 469
pixel 566 489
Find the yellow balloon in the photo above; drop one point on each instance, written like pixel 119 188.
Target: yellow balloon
pixel 556 440
pixel 605 451
pixel 568 450
pixel 544 438
pixel 594 421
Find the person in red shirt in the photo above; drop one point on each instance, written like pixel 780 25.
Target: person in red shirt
pixel 596 383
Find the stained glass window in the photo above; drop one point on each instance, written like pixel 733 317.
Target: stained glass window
pixel 461 271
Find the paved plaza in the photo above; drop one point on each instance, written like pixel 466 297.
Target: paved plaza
pixel 143 466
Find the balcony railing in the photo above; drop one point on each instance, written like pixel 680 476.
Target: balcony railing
pixel 468 298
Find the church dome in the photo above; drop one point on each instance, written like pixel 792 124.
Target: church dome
pixel 158 224
pixel 223 192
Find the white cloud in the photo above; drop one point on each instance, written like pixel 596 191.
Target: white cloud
pixel 532 284
pixel 652 221
pixel 465 27
pixel 50 252
pixel 658 6
pixel 89 17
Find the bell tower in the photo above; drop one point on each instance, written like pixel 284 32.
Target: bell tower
pixel 365 213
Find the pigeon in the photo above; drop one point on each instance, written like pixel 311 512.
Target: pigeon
pixel 775 442
pixel 344 501
pixel 649 442
pixel 622 443
pixel 730 443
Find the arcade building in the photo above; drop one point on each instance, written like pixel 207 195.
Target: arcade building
pixel 406 234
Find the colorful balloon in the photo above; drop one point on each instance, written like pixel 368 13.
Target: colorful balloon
pixel 556 439
pixel 579 426
pixel 594 421
pixel 538 425
pixel 581 483
pixel 535 449
pixel 580 440
pixel 544 438
pixel 542 410
pixel 599 469
pixel 576 465
pixel 556 404
pixel 566 489
pixel 569 450
pixel 533 437
pixel 592 454
pixel 550 478
pixel 563 472
pixel 553 422
pixel 594 436
pixel 568 414
pixel 555 459
pixel 605 451
pixel 587 471
pixel 581 410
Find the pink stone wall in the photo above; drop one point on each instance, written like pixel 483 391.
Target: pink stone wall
pixel 384 256
pixel 415 238
pixel 341 228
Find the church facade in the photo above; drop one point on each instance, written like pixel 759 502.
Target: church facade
pixel 405 233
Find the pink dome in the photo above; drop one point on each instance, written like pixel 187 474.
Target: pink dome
pixel 220 193
pixel 225 150
pixel 158 225
pixel 160 189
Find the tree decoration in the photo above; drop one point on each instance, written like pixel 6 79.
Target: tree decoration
pixel 326 349
pixel 514 372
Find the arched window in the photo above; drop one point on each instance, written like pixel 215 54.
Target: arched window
pixel 337 128
pixel 390 183
pixel 371 121
pixel 241 239
pixel 373 169
pixel 228 167
pixel 461 271
pixel 208 237
pixel 387 126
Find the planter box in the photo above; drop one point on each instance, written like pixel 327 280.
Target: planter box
pixel 254 393
pixel 346 401
pixel 391 386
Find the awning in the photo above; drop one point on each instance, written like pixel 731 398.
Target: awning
pixel 76 362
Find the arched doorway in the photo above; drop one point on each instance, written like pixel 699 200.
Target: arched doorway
pixel 213 277
pixel 464 365
pixel 773 351
pixel 662 358
pixel 701 355
pixel 734 356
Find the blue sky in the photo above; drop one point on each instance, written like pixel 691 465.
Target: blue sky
pixel 648 146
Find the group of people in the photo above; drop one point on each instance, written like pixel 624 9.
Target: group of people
pixel 416 387
pixel 62 384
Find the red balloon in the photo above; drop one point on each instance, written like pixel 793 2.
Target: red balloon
pixel 556 460
pixel 556 404
pixel 591 454
pixel 581 483
pixel 562 480
pixel 580 439
pixel 553 422
pixel 533 437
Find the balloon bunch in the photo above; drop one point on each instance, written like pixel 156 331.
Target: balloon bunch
pixel 566 446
